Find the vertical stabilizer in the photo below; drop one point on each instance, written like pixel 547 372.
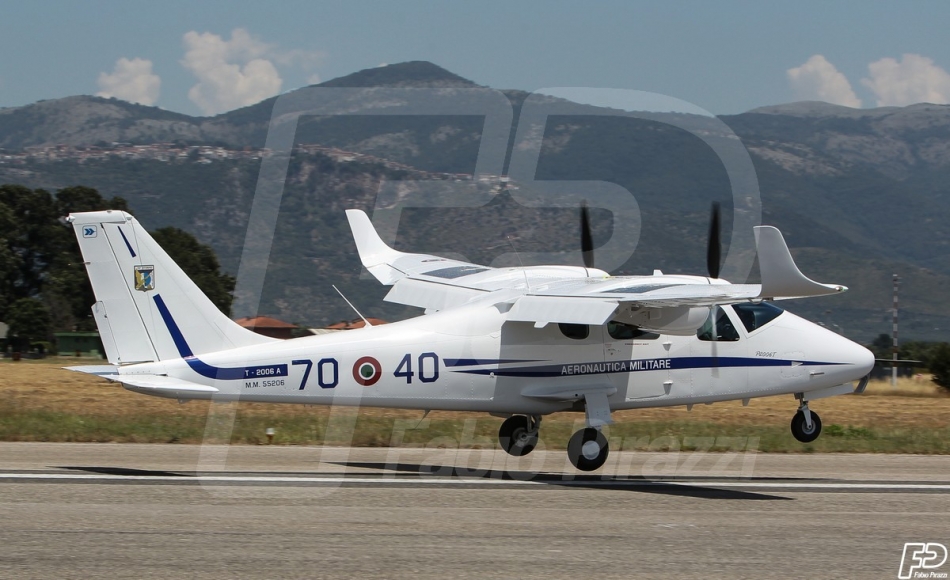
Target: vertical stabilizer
pixel 147 308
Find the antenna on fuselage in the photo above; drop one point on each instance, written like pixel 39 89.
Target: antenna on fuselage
pixel 523 271
pixel 351 305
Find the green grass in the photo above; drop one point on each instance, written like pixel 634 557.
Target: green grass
pixel 477 431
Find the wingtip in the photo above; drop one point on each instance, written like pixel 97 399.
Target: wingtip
pixel 368 242
pixel 781 277
pixel 374 253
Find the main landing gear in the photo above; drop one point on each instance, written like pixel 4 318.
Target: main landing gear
pixel 806 424
pixel 587 449
pixel 518 435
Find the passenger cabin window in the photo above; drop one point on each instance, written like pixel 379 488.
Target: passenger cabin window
pixel 621 331
pixel 755 316
pixel 722 331
pixel 575 331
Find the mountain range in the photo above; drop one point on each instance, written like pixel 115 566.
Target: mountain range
pixel 861 194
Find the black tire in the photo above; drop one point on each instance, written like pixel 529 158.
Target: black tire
pixel 575 449
pixel 514 437
pixel 801 432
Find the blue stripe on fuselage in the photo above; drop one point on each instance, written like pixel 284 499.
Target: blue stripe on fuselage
pixel 472 362
pixel 640 365
pixel 198 365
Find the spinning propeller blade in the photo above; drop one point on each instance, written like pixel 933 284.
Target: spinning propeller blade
pixel 587 242
pixel 714 249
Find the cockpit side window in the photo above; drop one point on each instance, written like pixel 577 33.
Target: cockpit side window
pixel 621 331
pixel 755 316
pixel 575 331
pixel 722 331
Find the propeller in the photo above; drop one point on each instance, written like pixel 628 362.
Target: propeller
pixel 714 249
pixel 587 241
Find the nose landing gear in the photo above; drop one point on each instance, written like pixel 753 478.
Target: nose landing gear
pixel 806 424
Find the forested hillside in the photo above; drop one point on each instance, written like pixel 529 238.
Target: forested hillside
pixel 860 194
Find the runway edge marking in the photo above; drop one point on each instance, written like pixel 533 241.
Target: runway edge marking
pixel 224 479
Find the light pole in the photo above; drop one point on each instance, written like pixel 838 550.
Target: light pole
pixel 894 364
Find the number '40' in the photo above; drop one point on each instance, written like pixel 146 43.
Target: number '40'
pixel 428 364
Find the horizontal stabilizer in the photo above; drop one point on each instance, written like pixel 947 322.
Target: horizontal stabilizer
pixel 98 370
pixel 781 278
pixel 160 384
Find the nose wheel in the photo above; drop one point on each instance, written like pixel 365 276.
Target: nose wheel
pixel 518 435
pixel 587 449
pixel 806 424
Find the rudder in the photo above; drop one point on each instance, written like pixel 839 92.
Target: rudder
pixel 139 289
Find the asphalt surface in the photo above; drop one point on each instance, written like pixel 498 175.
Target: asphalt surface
pixel 176 511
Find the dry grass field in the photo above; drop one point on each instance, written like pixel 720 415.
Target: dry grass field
pixel 41 401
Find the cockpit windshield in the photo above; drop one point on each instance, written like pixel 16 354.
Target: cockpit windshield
pixel 752 316
pixel 721 331
pixel 755 316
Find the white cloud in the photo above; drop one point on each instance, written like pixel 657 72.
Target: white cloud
pixel 131 80
pixel 240 71
pixel 230 73
pixel 913 79
pixel 819 80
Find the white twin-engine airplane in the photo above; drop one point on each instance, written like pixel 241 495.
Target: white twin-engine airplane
pixel 519 343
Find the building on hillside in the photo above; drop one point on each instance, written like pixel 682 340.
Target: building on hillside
pixel 271 327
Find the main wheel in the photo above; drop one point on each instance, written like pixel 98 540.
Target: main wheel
pixel 515 438
pixel 587 449
pixel 801 431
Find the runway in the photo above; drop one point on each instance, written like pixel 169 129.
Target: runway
pixel 164 511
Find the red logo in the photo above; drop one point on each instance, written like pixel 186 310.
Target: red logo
pixel 367 371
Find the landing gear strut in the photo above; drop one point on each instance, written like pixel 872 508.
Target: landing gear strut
pixel 519 434
pixel 806 424
pixel 587 449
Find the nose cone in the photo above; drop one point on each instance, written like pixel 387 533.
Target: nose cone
pixel 856 360
pixel 863 359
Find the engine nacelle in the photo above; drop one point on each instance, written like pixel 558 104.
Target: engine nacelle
pixel 677 320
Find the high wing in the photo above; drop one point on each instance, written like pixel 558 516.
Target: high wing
pixel 437 283
pixel 570 294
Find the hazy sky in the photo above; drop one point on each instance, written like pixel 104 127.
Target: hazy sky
pixel 727 57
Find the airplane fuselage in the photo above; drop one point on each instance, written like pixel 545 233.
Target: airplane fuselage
pixel 513 342
pixel 472 359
